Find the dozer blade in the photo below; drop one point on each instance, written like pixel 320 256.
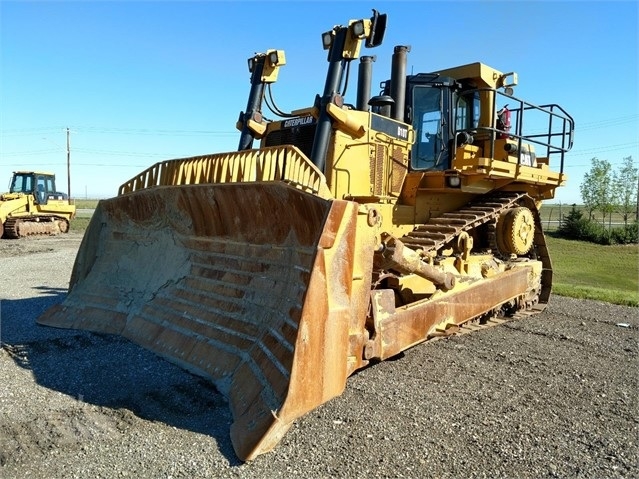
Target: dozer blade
pixel 246 284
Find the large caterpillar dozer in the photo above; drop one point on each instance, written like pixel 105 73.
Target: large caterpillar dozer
pixel 33 206
pixel 352 233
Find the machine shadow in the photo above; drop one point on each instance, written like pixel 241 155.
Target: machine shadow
pixel 111 372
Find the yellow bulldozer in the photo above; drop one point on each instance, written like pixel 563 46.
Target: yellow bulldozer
pixel 351 233
pixel 33 206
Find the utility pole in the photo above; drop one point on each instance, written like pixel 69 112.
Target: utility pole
pixel 69 163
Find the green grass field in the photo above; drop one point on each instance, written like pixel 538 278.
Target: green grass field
pixel 81 221
pixel 85 204
pixel 590 271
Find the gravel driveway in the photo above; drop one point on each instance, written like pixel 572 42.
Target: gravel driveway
pixel 550 396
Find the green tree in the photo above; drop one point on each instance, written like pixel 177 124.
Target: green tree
pixel 596 191
pixel 625 180
pixel 575 226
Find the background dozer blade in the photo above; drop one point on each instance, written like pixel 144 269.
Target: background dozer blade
pixel 246 284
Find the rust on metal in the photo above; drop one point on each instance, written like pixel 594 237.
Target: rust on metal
pixel 396 256
pixel 399 328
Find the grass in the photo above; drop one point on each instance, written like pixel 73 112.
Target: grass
pixel 589 271
pixel 81 221
pixel 85 204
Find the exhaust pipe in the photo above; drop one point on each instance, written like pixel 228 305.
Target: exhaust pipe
pixel 364 80
pixel 398 81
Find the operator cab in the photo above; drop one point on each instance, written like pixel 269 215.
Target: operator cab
pixel 437 110
pixel 469 105
pixel 40 185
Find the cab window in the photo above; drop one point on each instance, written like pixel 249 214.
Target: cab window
pixel 41 191
pixel 427 121
pixel 467 111
pixel 462 114
pixel 22 184
pixel 49 185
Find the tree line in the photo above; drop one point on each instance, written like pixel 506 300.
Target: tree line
pixel 608 191
pixel 605 191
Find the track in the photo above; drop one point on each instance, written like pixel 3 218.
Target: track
pixel 442 231
pixel 15 228
pixel 485 322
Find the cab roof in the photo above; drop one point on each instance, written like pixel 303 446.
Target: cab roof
pixel 483 75
pixel 26 172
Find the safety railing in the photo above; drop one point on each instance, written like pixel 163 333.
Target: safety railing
pixel 549 127
pixel 281 163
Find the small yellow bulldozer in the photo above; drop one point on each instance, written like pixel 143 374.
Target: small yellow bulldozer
pixel 33 206
pixel 350 233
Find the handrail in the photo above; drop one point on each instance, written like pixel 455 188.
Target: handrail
pixel 556 137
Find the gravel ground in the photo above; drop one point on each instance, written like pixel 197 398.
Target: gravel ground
pixel 550 396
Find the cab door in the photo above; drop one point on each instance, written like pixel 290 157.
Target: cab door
pixel 41 192
pixel 430 117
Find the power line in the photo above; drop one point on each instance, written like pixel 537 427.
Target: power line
pixel 604 151
pixel 29 153
pixel 620 119
pixel 608 147
pixel 31 131
pixel 157 132
pixel 587 166
pixel 123 131
pixel 128 153
pixel 94 152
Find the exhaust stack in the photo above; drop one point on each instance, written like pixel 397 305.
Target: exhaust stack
pixel 364 80
pixel 398 81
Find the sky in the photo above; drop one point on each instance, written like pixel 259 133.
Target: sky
pixel 136 83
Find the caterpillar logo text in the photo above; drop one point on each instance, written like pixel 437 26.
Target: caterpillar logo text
pixel 305 120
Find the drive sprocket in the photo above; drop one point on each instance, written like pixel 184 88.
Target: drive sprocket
pixel 516 231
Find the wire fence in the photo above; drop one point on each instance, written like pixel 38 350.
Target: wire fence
pixel 553 214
